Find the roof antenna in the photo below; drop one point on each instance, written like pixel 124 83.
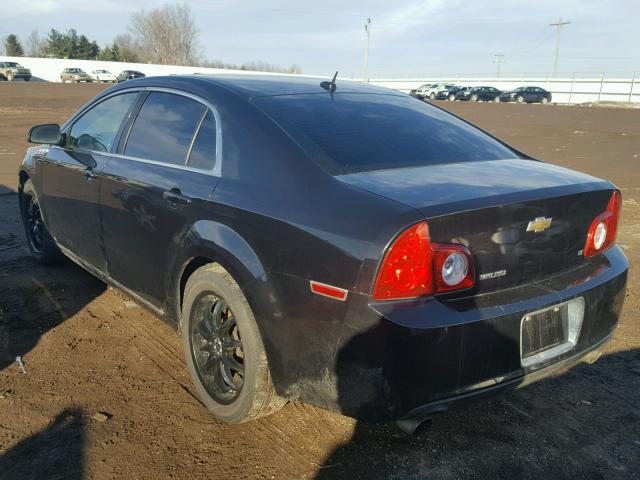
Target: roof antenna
pixel 330 86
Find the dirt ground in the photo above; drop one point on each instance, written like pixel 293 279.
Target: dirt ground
pixel 106 392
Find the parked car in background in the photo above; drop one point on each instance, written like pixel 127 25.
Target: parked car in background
pixel 129 75
pixel 75 75
pixel 461 93
pixel 475 94
pixel 342 257
pixel 449 93
pixel 526 95
pixel 432 92
pixel 12 70
pixel 420 91
pixel 103 76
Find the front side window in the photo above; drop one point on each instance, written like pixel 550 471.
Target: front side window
pixel 97 129
pixel 164 128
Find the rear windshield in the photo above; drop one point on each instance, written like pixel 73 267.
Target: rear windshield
pixel 348 133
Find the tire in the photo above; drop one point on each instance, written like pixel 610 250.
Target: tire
pixel 520 99
pixel 452 97
pixel 474 98
pixel 41 245
pixel 207 340
pixel 432 96
pixel 544 100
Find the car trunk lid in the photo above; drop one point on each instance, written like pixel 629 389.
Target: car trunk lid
pixel 523 220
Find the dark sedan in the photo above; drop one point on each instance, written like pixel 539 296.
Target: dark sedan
pixel 129 75
pixel 475 94
pixel 341 245
pixel 526 95
pixel 449 93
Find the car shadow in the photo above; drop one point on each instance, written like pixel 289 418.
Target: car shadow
pixel 58 451
pixel 34 298
pixel 579 423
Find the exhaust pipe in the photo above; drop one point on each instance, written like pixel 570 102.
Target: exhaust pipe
pixel 414 421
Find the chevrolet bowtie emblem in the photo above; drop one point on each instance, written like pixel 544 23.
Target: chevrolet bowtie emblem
pixel 540 224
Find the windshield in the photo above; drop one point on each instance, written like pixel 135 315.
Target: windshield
pixel 349 132
pixel 12 64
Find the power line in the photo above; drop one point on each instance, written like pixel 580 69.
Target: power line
pixel 559 24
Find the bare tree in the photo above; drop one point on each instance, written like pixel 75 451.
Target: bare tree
pixel 128 47
pixel 35 45
pixel 166 35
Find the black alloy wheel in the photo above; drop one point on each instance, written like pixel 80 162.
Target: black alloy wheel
pixel 41 245
pixel 34 225
pixel 216 348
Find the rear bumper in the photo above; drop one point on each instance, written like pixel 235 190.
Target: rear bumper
pixel 423 356
pixel 430 409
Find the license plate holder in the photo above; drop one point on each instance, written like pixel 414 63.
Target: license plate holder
pixel 550 332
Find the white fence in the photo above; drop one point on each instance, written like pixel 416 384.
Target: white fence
pixel 563 90
pixel 49 69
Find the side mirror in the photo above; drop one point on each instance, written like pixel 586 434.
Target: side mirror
pixel 47 133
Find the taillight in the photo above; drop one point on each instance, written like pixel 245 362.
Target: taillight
pixel 604 228
pixel 406 269
pixel 415 267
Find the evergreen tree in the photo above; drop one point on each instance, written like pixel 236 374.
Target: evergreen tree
pixel 13 47
pixel 70 45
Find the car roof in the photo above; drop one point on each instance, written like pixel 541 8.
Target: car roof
pixel 260 85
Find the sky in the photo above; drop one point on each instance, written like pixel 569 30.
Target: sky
pixel 411 38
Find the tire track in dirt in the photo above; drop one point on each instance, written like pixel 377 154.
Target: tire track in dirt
pixel 284 434
pixel 150 341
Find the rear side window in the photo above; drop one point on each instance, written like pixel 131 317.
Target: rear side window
pixel 97 129
pixel 164 128
pixel 203 151
pixel 349 133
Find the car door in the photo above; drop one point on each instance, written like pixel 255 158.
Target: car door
pixel 155 189
pixel 70 175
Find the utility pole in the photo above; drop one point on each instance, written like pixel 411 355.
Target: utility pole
pixel 558 26
pixel 499 59
pixel 367 28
